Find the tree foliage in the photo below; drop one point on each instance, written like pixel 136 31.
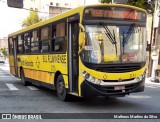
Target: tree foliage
pixel 138 3
pixel 142 4
pixel 4 51
pixel 33 18
pixel 105 1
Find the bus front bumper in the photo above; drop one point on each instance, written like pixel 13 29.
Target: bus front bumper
pixel 89 89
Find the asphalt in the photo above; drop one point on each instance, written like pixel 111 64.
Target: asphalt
pixel 42 100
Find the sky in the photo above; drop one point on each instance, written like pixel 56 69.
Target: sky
pixel 11 18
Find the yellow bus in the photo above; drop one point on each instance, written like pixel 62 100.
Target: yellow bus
pixel 96 50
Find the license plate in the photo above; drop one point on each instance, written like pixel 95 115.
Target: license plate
pixel 119 87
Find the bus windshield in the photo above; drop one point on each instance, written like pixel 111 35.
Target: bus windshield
pixel 114 44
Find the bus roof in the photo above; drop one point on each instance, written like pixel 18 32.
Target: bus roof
pixel 69 13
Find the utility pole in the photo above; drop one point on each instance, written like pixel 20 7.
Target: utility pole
pixel 154 42
pixel 84 2
pixel 112 1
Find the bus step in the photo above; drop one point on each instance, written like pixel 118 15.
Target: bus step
pixel 73 93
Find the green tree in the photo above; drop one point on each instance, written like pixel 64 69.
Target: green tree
pixel 138 3
pixel 142 4
pixel 4 51
pixel 105 1
pixel 33 18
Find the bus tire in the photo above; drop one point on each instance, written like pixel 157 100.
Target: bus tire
pixel 23 81
pixel 60 88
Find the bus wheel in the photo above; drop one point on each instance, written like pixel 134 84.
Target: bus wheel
pixel 23 81
pixel 61 90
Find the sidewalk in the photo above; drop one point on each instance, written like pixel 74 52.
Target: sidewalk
pixel 148 80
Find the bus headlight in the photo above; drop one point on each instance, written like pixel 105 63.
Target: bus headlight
pixel 97 81
pixel 90 78
pixel 141 77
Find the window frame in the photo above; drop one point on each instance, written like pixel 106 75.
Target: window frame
pixel 51 50
pixel 33 42
pixel 54 29
pixel 28 42
pixel 45 40
pixel 22 44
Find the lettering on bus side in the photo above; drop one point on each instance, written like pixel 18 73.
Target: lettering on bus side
pixel 27 63
pixel 54 58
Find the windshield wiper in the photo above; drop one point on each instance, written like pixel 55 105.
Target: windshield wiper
pixel 108 33
pixel 128 35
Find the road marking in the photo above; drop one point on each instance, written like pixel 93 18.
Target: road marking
pixel 152 87
pixel 4 76
pixel 32 88
pixel 7 76
pixel 11 86
pixel 139 96
pixel 156 84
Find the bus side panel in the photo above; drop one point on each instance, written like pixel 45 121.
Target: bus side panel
pixel 45 77
pixel 11 63
pixel 43 67
pixel 42 76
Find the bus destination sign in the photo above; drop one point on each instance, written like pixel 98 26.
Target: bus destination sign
pixel 116 13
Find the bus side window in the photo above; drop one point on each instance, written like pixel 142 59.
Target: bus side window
pixel 27 43
pixel 45 40
pixel 53 38
pixel 60 42
pixel 20 44
pixel 34 42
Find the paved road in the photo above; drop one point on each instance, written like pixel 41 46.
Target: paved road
pixel 16 98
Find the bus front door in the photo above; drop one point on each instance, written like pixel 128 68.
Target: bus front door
pixel 73 66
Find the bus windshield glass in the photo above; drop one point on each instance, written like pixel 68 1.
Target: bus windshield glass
pixel 114 44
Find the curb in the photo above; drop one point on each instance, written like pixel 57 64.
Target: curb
pixel 152 81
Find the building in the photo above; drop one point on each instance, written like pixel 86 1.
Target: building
pixel 50 8
pixel 4 44
pixel 35 5
pixel 55 7
pixel 154 62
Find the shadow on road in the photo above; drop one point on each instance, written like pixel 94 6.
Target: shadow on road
pixel 94 102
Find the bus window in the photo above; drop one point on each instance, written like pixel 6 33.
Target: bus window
pixel 20 44
pixel 27 43
pixel 53 37
pixel 10 46
pixel 45 39
pixel 60 42
pixel 34 41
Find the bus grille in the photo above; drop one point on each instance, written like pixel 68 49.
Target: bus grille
pixel 117 80
pixel 119 69
pixel 111 90
pixel 116 68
